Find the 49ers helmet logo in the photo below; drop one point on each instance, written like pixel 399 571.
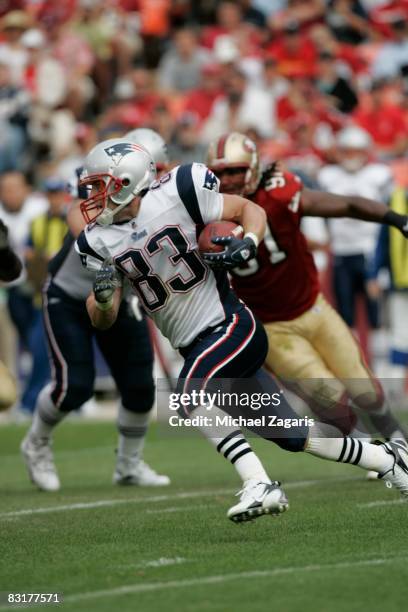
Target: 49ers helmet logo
pixel 249 145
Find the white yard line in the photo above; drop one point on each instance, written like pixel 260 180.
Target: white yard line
pixel 381 502
pixel 151 500
pixel 162 562
pixel 216 579
pixel 177 509
pixel 221 578
pixel 109 502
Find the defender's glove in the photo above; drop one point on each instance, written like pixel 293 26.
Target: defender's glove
pixel 238 252
pixel 4 243
pixel 107 279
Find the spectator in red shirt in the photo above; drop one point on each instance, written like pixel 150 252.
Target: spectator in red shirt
pixel 297 100
pixel 301 156
pixel 385 121
pixel 229 21
pixel 201 100
pixel 294 52
pixel 138 109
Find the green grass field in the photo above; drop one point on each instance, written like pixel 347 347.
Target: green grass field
pixel 341 546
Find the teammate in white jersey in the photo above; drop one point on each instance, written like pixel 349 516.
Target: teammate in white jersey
pixel 126 348
pixel 352 242
pixel 148 232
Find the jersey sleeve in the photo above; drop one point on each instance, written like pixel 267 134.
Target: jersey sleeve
pixel 90 258
pixel 198 189
pixel 286 189
pixel 290 186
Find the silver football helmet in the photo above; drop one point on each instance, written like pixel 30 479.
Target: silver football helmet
pixel 154 143
pixel 115 171
pixel 353 148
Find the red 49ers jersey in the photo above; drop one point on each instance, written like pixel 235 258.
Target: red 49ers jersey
pixel 282 282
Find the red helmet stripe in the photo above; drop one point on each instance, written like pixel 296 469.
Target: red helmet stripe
pixel 137 147
pixel 221 146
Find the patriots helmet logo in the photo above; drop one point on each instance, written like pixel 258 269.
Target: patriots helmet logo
pixel 118 151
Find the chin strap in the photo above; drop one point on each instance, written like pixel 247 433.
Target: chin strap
pixel 106 216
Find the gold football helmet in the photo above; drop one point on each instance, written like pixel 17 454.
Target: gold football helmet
pixel 236 150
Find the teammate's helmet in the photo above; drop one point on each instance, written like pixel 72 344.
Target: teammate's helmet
pixel 153 142
pixel 353 146
pixel 116 171
pixel 236 150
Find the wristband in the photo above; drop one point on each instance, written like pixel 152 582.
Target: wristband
pixel 253 237
pixel 395 219
pixel 104 305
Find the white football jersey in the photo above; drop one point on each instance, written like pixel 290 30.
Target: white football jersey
pixel 68 274
pixel 374 181
pixel 157 251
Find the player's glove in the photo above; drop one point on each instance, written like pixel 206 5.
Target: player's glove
pixel 106 281
pixel 3 235
pixel 238 251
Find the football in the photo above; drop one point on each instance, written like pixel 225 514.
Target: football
pixel 217 228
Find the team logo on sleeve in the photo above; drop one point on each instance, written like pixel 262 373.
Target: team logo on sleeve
pixel 118 151
pixel 210 181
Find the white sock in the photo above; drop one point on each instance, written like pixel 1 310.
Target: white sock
pixel 132 427
pixel 46 415
pixel 231 443
pixel 348 450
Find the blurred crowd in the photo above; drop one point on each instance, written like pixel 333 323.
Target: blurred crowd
pixel 291 74
pixel 288 72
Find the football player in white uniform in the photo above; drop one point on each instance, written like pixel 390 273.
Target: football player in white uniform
pixel 352 241
pixel 147 231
